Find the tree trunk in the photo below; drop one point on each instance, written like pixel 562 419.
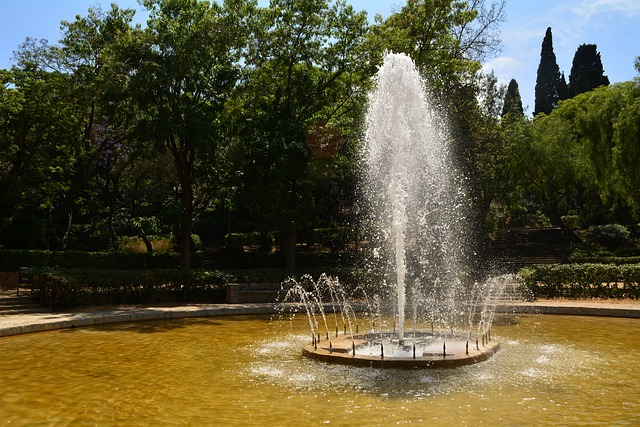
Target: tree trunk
pixel 145 239
pixel 291 246
pixel 184 244
pixel 186 223
pixel 183 155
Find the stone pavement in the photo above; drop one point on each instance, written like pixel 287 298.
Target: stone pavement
pixel 44 320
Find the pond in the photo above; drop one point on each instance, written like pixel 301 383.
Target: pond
pixel 240 370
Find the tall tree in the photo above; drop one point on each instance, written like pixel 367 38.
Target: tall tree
pixel 512 101
pixel 447 39
pixel 38 131
pixel 607 121
pixel 549 82
pixel 305 81
pixel 587 72
pixel 184 70
pixel 74 82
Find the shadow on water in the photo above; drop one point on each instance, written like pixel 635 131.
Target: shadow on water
pixel 156 326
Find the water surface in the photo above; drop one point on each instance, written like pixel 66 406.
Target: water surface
pixel 241 370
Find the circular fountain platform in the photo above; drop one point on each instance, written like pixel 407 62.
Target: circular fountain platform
pixel 422 351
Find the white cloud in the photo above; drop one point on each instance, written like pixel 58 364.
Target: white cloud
pixel 589 9
pixel 504 68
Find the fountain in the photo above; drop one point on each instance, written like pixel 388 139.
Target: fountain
pixel 416 210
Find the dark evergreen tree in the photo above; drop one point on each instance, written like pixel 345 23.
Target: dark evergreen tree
pixel 587 72
pixel 563 89
pixel 512 101
pixel 549 85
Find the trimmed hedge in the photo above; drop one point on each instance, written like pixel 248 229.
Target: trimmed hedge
pixel 60 288
pixel 583 280
pixel 12 260
pixel 335 239
pixel 74 288
pixel 603 259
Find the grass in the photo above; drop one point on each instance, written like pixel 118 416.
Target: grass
pixel 136 245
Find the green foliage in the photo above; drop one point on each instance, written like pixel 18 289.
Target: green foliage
pixel 185 66
pixel 512 101
pixel 550 85
pixel 60 289
pixel 609 235
pixel 335 239
pixel 235 242
pixel 446 39
pixel 571 163
pixel 583 280
pixel 587 72
pixel 305 78
pixel 12 260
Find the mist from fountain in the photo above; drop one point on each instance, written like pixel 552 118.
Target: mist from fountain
pixel 415 227
pixel 413 197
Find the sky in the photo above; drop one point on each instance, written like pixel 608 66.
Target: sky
pixel 613 25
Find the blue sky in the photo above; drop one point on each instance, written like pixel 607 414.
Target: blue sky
pixel 613 25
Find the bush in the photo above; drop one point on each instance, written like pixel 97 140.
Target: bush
pixel 335 239
pixel 609 235
pixel 135 244
pixel 235 242
pixel 61 288
pixel 583 280
pixel 12 260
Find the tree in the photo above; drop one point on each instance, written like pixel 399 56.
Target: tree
pixel 88 52
pixel 38 129
pixel 549 165
pixel 607 120
pixel 80 91
pixel 549 83
pixel 512 101
pixel 447 39
pixel 305 80
pixel 587 72
pixel 184 69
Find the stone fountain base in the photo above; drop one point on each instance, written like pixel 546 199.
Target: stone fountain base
pixel 425 351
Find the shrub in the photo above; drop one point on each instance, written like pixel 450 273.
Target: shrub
pixel 583 280
pixel 335 239
pixel 12 260
pixel 61 288
pixel 235 242
pixel 609 235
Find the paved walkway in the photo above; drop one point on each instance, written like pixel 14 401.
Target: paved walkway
pixel 15 324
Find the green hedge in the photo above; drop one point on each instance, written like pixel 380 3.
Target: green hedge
pixel 61 288
pixel 583 280
pixel 583 258
pixel 12 260
pixel 335 239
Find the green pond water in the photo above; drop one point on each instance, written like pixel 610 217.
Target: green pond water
pixel 248 370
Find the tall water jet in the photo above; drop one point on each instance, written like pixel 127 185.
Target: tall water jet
pixel 416 231
pixel 412 195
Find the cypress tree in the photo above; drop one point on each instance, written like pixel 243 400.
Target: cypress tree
pixel 563 88
pixel 512 101
pixel 549 85
pixel 587 72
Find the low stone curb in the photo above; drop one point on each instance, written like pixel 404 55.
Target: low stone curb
pixel 23 324
pixel 39 322
pixel 572 309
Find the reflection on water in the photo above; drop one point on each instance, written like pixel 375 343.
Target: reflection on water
pixel 551 370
